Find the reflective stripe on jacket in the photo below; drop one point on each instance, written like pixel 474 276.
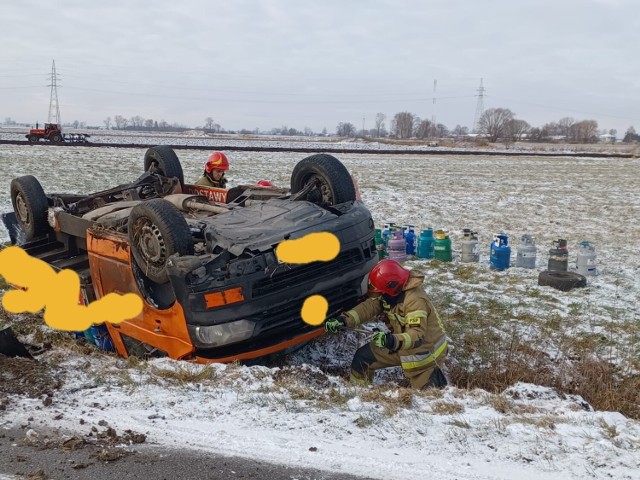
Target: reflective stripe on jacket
pixel 413 320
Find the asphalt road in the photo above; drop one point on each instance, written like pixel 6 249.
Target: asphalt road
pixel 37 461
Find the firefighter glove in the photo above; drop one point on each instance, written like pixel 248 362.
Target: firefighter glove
pixel 386 340
pixel 334 325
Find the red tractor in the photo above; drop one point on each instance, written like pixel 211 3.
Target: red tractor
pixel 51 132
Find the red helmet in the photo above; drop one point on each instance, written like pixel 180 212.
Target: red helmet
pixel 389 277
pixel 216 161
pixel 264 183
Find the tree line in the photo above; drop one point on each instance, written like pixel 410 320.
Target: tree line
pixel 495 124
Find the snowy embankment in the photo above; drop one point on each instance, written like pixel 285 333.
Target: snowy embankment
pixel 304 412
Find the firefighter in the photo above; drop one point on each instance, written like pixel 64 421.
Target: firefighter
pixel 417 341
pixel 214 169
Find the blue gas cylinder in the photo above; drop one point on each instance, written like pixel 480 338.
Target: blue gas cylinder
pixel 410 237
pixel 425 244
pixel 500 252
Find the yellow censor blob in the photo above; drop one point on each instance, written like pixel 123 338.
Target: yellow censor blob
pixel 315 247
pixel 41 287
pixel 314 309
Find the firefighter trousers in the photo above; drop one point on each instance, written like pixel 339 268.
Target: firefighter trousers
pixel 370 358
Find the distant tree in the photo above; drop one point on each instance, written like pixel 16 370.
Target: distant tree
pixel 492 122
pixel 107 123
pixel 423 130
pixel 442 131
pixel 121 122
pixel 516 129
pixel 149 123
pixel 308 132
pixel 460 131
pixel 345 129
pixel 208 123
pixel 402 124
pixel 564 126
pixel 137 121
pixel 163 124
pixel 75 124
pixel 324 131
pixel 380 118
pixel 292 132
pixel 585 131
pixel 613 132
pixel 630 135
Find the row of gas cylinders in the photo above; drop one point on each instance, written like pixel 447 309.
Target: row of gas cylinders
pixel 400 242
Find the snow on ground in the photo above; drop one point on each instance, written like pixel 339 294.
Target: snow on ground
pixel 302 412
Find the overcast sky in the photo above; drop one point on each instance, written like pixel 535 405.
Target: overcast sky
pixel 269 63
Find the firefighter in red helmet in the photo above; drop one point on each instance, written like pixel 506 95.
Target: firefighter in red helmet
pixel 214 169
pixel 417 341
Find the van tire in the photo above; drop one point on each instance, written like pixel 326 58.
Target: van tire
pixel 157 230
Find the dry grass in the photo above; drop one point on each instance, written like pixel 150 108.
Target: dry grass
pixel 383 396
pixel 442 407
pixel 498 346
pixel 186 374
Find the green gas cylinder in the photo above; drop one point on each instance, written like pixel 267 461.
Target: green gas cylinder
pixel 442 246
pixel 380 247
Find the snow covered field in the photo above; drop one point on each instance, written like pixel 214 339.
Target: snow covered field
pixel 305 413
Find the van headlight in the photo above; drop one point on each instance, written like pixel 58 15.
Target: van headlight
pixel 224 334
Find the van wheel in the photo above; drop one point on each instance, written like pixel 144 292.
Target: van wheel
pixel 563 281
pixel 331 179
pixel 157 230
pixel 30 205
pixel 165 161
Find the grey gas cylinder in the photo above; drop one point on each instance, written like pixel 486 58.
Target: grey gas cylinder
pixel 470 251
pixel 586 261
pixel 526 256
pixel 558 256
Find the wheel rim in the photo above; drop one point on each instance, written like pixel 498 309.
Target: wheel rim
pixel 22 210
pixel 322 194
pixel 150 242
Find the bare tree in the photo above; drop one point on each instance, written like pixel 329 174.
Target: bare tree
pixel 630 135
pixel 149 123
pixel 442 131
pixel 585 131
pixel 380 118
pixel 402 124
pixel 308 132
pixel 163 124
pixel 137 121
pixel 516 129
pixel 121 122
pixel 423 129
pixel 564 126
pixel 460 131
pixel 492 122
pixel 345 129
pixel 107 123
pixel 208 123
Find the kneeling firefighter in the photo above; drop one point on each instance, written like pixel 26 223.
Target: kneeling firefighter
pixel 418 341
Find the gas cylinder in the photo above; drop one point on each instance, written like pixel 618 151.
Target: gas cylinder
pixel 500 252
pixel 386 233
pixel 586 261
pixel 410 237
pixel 558 256
pixel 396 248
pixel 526 256
pixel 470 251
pixel 380 244
pixel 442 246
pixel 425 244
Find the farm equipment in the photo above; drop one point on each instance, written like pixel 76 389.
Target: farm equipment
pixel 53 133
